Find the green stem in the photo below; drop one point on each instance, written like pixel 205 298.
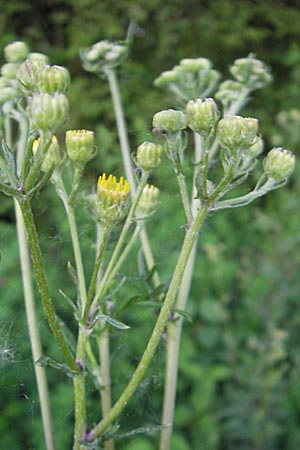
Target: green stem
pixel 153 342
pixel 174 327
pixel 184 196
pixel 79 393
pixel 117 250
pixel 40 274
pixel 229 174
pixel 125 149
pixel 35 340
pixel 104 239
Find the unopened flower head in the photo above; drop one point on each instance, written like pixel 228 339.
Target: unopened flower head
pixel 112 198
pixel 149 200
pixel 251 71
pixel 27 75
pixel 80 145
pixel 53 79
pixel 52 156
pixel 36 56
pixel 48 112
pixel 229 92
pixel 195 64
pixel 9 70
pixel 7 94
pixel 256 148
pixel 235 132
pixel 169 121
pixel 279 163
pixel 202 115
pixel 166 78
pixel 16 52
pixel 148 155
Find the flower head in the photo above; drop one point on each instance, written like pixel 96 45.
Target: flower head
pixel 80 145
pixel 112 198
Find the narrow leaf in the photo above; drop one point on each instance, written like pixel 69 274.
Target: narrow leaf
pixel 113 322
pixel 46 361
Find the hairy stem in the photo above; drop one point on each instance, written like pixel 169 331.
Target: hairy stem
pixel 40 274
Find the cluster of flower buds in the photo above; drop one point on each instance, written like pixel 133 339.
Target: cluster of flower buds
pixel 14 53
pixel 103 55
pixel 250 73
pixel 192 78
pixel 112 199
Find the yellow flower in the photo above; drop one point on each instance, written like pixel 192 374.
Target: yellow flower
pixel 112 198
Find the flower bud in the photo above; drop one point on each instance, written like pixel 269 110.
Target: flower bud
pixel 112 199
pixel 251 71
pixel 256 148
pixel 167 77
pixel 6 94
pixel 195 64
pixel 36 56
pixel 279 163
pixel 149 200
pixel 235 132
pixel 229 92
pixel 169 121
pixel 27 75
pixel 9 70
pixel 80 146
pixel 16 52
pixel 148 155
pixel 202 115
pixel 53 79
pixel 48 112
pixel 53 155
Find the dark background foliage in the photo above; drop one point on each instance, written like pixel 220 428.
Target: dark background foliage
pixel 240 362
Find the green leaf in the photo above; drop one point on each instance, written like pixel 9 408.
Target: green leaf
pixel 46 361
pixel 113 322
pixel 10 159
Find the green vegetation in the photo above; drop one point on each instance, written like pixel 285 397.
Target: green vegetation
pixel 238 385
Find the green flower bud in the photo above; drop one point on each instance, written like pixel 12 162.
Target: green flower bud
pixel 169 121
pixel 148 155
pixel 256 148
pixel 195 64
pixel 53 79
pixel 279 163
pixel 148 201
pixel 36 56
pixel 9 70
pixel 229 92
pixel 235 132
pixel 27 75
pixel 167 77
pixel 251 71
pixel 112 199
pixel 80 146
pixel 6 94
pixel 16 52
pixel 202 115
pixel 53 155
pixel 48 112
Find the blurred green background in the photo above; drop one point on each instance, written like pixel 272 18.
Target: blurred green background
pixel 240 360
